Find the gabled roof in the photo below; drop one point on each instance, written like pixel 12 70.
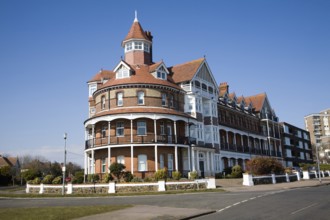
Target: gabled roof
pixel 257 101
pixel 103 74
pixel 155 66
pixel 186 71
pixel 8 161
pixel 136 32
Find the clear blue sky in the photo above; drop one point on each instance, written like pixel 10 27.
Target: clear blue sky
pixel 50 49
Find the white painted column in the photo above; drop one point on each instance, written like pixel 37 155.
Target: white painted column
pixel 176 158
pixel 131 130
pixel 109 158
pixel 212 163
pixel 155 129
pixel 193 160
pixel 156 157
pixel 175 136
pixel 227 139
pixel 189 158
pixel 93 163
pixel 93 135
pixel 132 160
pixel 109 129
pixel 197 156
pixel 85 163
pixel 207 162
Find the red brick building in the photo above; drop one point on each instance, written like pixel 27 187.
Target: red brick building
pixel 149 116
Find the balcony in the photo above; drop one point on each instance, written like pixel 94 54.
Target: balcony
pixel 138 139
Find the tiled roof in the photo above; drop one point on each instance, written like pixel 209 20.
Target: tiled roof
pixel 142 109
pixel 186 71
pixel 136 32
pixel 256 100
pixel 142 75
pixel 7 161
pixel 103 74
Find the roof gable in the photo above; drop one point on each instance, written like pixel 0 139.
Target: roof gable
pixel 186 71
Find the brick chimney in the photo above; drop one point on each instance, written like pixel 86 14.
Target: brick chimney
pixel 223 88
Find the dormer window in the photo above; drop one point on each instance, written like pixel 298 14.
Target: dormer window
pixel 161 73
pixel 122 73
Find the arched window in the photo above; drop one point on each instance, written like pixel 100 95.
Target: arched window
pixel 142 163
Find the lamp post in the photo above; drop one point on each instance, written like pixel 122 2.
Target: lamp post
pixel 64 164
pixel 318 161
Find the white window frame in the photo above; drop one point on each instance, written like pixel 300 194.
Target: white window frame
pixel 142 163
pixel 141 129
pixel 103 165
pixel 120 129
pixel 161 161
pixel 104 131
pixel 164 99
pixel 103 102
pixel 129 46
pixel 140 97
pixel 122 73
pixel 162 128
pixel 92 89
pixel 121 159
pixel 170 164
pixel 171 100
pixel 138 45
pixel 120 96
pixel 146 47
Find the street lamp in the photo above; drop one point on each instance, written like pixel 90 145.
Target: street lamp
pixel 318 161
pixel 63 168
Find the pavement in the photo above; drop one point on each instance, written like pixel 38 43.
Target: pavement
pixel 143 212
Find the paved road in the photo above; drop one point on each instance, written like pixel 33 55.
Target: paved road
pixel 305 203
pixel 272 201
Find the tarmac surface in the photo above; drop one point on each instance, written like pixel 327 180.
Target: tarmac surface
pixel 140 212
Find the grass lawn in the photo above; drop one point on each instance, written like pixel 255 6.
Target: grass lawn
pixel 57 213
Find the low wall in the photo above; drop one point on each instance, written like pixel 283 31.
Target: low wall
pixel 113 187
pixel 250 180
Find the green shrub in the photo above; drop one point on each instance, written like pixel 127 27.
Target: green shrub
pixel 218 175
pixel 47 179
pixel 161 174
pixel 324 167
pixel 236 171
pixel 117 169
pixel 193 175
pixel 36 181
pixel 227 170
pixel 136 179
pixel 176 175
pixel 127 176
pixel 57 180
pixel 148 179
pixel 93 178
pixel 78 177
pixel 264 166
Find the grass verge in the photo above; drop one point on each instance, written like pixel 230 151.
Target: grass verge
pixel 12 195
pixel 56 213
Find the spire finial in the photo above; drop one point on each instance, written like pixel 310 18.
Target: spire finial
pixel 135 19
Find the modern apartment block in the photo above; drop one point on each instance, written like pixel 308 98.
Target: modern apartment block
pixel 318 126
pixel 149 116
pixel 297 145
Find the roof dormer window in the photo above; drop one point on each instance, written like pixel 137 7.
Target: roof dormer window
pixel 161 73
pixel 122 72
